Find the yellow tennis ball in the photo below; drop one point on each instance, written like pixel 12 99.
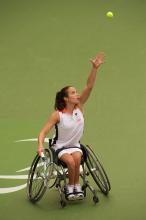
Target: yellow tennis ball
pixel 110 14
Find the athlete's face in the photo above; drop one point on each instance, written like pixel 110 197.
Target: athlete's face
pixel 73 96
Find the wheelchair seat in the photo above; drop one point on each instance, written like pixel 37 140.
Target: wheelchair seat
pixel 58 162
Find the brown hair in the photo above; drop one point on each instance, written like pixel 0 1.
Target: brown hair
pixel 59 100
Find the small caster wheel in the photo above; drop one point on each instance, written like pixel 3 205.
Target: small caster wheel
pixel 95 199
pixel 84 190
pixel 63 203
pixel 84 187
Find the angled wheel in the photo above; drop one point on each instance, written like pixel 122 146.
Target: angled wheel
pixel 95 199
pixel 39 175
pixel 63 203
pixel 97 171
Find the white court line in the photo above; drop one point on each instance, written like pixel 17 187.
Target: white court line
pixel 25 169
pixel 12 189
pixel 15 177
pixel 46 140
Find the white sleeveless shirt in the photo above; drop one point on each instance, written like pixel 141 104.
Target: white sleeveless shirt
pixel 70 129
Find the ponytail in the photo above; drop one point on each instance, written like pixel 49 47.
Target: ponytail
pixel 60 103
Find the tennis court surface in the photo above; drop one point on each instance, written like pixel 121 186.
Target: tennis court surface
pixel 46 45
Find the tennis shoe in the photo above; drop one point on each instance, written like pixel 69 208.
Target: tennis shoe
pixel 70 193
pixel 78 192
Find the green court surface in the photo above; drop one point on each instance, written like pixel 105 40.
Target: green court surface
pixel 46 45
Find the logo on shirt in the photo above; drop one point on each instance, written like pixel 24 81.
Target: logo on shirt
pixel 78 119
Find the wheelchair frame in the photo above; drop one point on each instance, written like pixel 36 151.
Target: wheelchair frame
pixel 47 172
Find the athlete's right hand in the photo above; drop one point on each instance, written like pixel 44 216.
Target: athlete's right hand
pixel 40 150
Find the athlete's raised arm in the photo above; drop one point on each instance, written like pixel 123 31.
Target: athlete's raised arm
pixel 99 59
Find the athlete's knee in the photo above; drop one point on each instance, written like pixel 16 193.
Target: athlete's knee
pixel 77 158
pixel 71 164
pixel 69 161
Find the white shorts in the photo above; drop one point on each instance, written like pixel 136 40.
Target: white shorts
pixel 69 151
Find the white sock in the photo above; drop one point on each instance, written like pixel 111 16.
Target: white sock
pixel 70 188
pixel 78 187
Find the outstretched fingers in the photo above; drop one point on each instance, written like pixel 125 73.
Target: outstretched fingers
pixel 99 59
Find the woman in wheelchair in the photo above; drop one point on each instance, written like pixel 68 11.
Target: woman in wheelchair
pixel 69 120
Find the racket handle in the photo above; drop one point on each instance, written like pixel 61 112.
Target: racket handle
pixel 43 156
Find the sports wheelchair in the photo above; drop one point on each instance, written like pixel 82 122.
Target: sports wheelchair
pixel 49 171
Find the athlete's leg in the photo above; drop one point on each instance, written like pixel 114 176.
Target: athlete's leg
pixel 77 160
pixel 77 187
pixel 69 161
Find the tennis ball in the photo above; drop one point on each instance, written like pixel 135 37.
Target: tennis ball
pixel 110 14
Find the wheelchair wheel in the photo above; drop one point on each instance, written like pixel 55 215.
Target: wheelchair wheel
pixel 97 171
pixel 39 175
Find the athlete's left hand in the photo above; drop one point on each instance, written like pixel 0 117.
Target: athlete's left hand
pixel 99 59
